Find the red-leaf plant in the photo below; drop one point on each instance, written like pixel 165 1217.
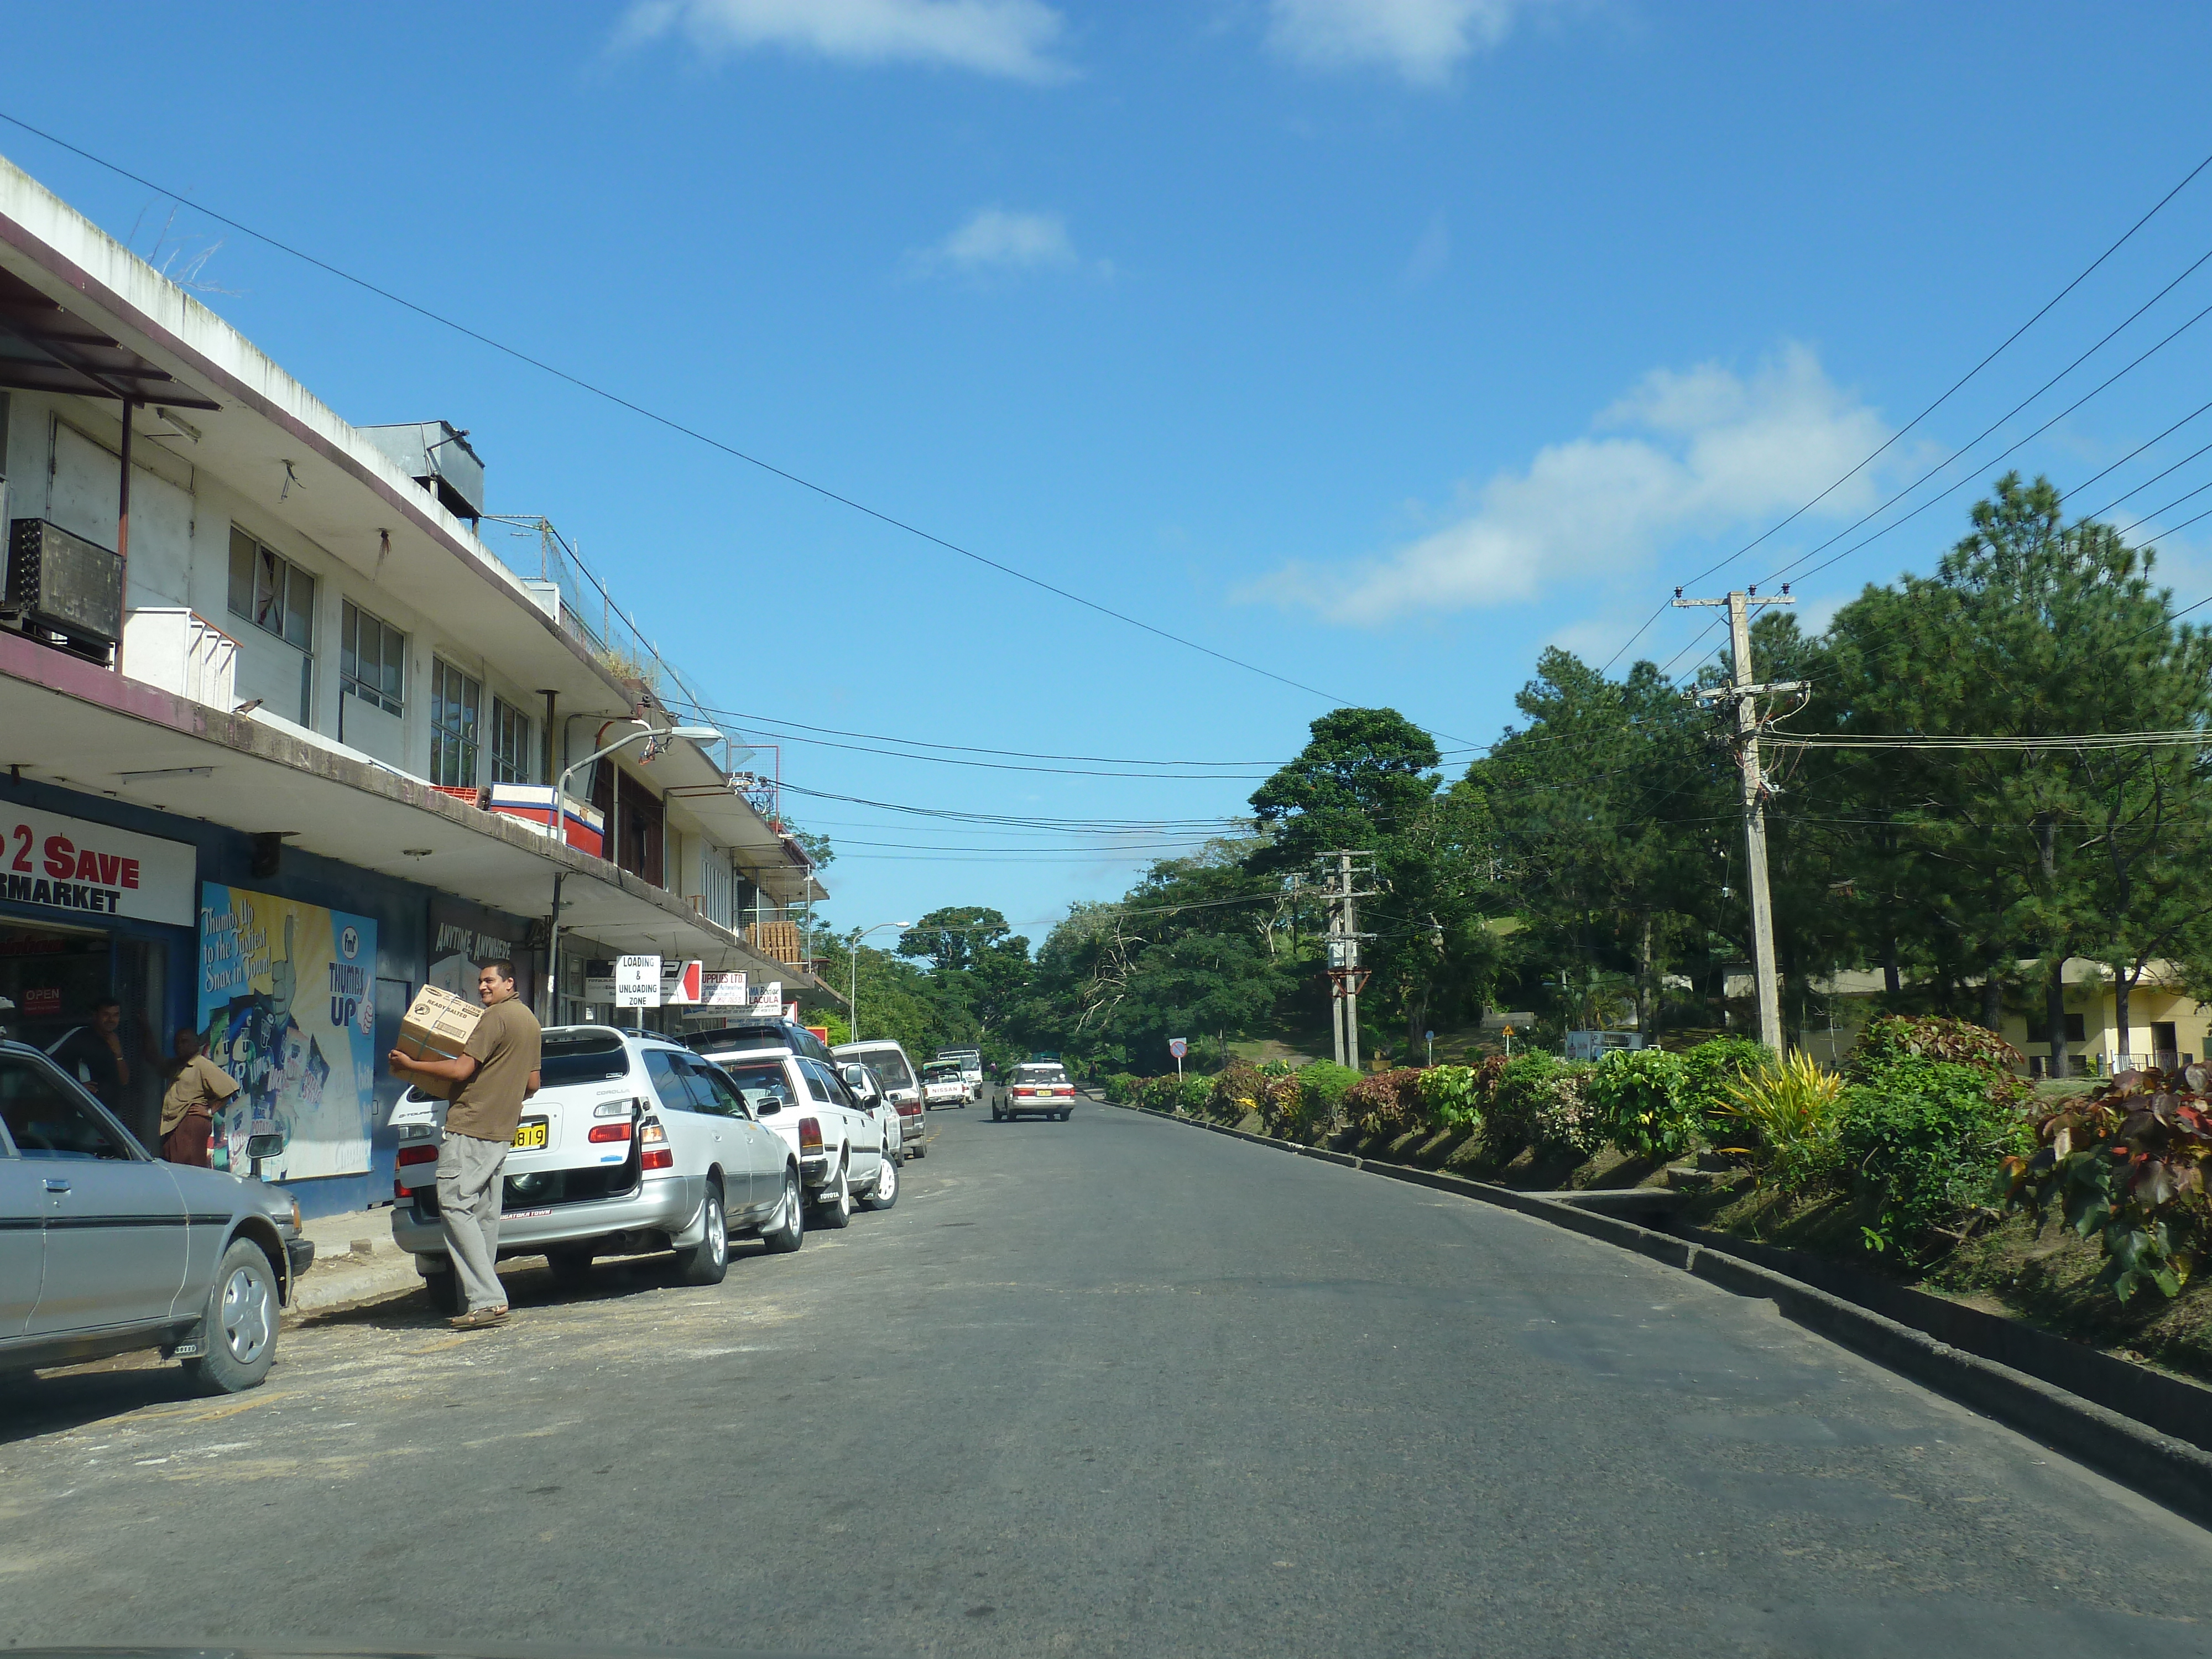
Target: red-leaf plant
pixel 2127 1163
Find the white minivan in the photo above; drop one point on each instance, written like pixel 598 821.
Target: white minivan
pixel 888 1060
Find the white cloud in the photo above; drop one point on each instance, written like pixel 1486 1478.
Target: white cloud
pixel 1010 38
pixel 1685 454
pixel 993 241
pixel 1422 39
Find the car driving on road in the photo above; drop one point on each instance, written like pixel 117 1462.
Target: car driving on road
pixel 848 1149
pixel 1035 1089
pixel 632 1144
pixel 105 1249
pixel 943 1083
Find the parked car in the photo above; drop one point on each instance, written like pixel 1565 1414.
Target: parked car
pixel 1035 1089
pixel 105 1249
pixel 632 1144
pixel 943 1083
pixel 847 1148
pixel 894 1072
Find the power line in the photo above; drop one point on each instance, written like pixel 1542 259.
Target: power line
pixel 667 422
pixel 1876 453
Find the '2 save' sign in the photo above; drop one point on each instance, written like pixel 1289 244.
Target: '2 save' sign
pixel 69 865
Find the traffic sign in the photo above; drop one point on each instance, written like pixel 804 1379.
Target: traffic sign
pixel 637 981
pixel 1178 1047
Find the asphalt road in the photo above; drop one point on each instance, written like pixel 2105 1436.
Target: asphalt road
pixel 1107 1387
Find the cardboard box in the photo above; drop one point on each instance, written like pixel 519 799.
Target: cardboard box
pixel 437 1025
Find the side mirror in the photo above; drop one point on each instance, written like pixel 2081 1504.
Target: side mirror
pixel 857 1078
pixel 263 1146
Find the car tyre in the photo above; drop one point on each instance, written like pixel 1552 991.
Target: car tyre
pixel 571 1269
pixel 239 1326
pixel 444 1290
pixel 707 1262
pixel 788 1230
pixel 886 1192
pixel 835 1208
pixel 998 1116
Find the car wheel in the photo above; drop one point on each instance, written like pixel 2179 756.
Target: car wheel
pixel 571 1269
pixel 788 1230
pixel 1063 1116
pixel 835 1207
pixel 922 1149
pixel 887 1181
pixel 998 1116
pixel 444 1290
pixel 707 1262
pixel 239 1326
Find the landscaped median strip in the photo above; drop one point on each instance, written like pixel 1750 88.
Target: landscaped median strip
pixel 2168 1470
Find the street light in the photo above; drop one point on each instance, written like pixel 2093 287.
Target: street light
pixel 853 976
pixel 560 828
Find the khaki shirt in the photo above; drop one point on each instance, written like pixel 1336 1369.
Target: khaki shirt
pixel 198 1087
pixel 505 1046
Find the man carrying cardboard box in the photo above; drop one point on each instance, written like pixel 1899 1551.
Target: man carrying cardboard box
pixel 495 1073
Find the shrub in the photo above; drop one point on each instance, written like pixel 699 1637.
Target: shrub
pixel 1541 1101
pixel 1386 1101
pixel 1923 1137
pixel 1450 1096
pixel 1124 1088
pixel 1321 1088
pixel 1790 1109
pixel 1712 1068
pixel 1282 1104
pixel 1193 1092
pixel 2128 1165
pixel 1237 1089
pixel 1643 1101
pixel 1890 1038
pixel 1162 1094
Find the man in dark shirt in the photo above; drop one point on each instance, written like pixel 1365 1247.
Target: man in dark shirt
pixel 94 1053
pixel 497 1071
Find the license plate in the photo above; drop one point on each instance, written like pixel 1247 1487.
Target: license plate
pixel 530 1135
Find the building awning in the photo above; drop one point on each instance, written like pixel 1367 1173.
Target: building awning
pixel 45 348
pixel 85 728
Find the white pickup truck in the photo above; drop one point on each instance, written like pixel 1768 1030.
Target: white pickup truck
pixel 848 1148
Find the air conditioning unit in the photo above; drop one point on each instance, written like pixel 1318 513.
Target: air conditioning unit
pixel 61 585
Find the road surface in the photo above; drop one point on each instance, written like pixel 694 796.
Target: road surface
pixel 1107 1387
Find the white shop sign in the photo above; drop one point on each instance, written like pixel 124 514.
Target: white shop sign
pixel 637 981
pixel 76 868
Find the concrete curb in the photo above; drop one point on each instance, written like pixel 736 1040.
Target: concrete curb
pixel 2167 1471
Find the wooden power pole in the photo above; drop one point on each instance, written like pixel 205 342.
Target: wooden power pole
pixel 1741 697
pixel 1345 975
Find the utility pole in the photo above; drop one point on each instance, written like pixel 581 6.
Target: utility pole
pixel 1742 696
pixel 1345 975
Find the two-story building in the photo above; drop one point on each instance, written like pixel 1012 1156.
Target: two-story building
pixel 262 685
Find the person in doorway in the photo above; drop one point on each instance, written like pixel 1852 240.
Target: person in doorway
pixel 94 1053
pixel 197 1086
pixel 496 1071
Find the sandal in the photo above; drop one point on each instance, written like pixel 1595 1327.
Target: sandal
pixel 477 1319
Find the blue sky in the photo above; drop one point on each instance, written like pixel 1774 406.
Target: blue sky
pixel 1379 343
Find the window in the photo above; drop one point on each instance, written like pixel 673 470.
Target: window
pixel 2077 1028
pixel 511 759
pixel 762 1085
pixel 277 597
pixel 45 1121
pixel 371 659
pixel 456 701
pixel 818 1083
pixel 271 591
pixel 709 1088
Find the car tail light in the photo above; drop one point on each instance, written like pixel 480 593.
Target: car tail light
pixel 1069 1092
pixel 659 1154
pixel 603 1132
pixel 810 1134
pixel 420 1154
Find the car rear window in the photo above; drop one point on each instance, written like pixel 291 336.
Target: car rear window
pixel 1039 1074
pixel 763 1084
pixel 595 1057
pixel 888 1064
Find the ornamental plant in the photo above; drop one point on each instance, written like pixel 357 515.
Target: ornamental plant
pixel 1922 1139
pixel 1389 1101
pixel 2126 1165
pixel 1193 1092
pixel 1541 1101
pixel 1890 1038
pixel 1237 1089
pixel 1450 1096
pixel 1789 1112
pixel 1643 1100
pixel 1712 1068
pixel 1321 1088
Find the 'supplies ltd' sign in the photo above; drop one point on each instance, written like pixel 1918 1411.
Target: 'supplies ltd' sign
pixel 68 865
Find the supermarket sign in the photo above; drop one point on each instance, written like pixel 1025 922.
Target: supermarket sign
pixel 70 866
